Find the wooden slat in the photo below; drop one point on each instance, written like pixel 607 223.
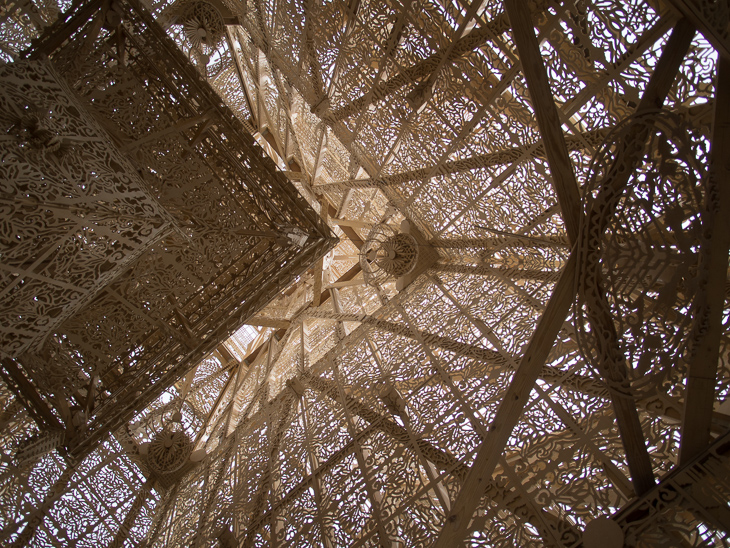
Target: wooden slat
pixel 615 369
pixel 701 381
pixel 667 67
pixel 716 35
pixel 30 395
pixel 319 268
pixel 510 410
pixel 546 113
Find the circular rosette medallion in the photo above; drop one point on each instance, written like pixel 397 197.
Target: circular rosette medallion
pixel 387 254
pixel 169 451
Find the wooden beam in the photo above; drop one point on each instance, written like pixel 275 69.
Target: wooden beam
pixel 241 73
pixel 319 268
pixel 253 356
pixel 510 410
pixel 546 112
pixel 424 69
pixel 716 34
pixel 268 322
pixel 216 405
pixel 140 500
pixel 481 244
pixel 613 363
pixel 352 223
pixel 55 35
pixel 707 318
pixel 38 407
pixel 697 476
pixel 499 158
pixel 345 283
pixel 350 232
pixel 177 127
pixel 511 273
pixel 665 73
pixel 513 500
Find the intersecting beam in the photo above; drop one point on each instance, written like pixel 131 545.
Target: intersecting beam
pixel 319 267
pixel 696 484
pixel 276 434
pixel 176 127
pixel 707 318
pixel 251 359
pixel 510 410
pixel 362 454
pixel 350 232
pixel 36 517
pixel 546 112
pixel 457 347
pixel 349 275
pixel 612 362
pixel 697 12
pixel 426 68
pixel 548 240
pixel 241 73
pixel 351 223
pixel 140 500
pixel 232 378
pixel 328 387
pixel 483 270
pixel 298 489
pixel 667 67
pixel 36 406
pixel 211 493
pixel 492 159
pixel 492 358
pixel 260 321
pixel 314 464
pixel 513 500
pixel 57 34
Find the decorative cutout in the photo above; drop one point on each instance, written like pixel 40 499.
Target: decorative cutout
pixel 169 451
pixel 387 254
pixel 203 24
pixel 640 244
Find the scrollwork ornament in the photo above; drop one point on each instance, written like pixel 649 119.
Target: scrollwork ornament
pixel 203 25
pixel 638 250
pixel 169 451
pixel 387 254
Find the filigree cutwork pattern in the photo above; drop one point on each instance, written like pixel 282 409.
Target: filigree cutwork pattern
pixel 641 245
pixel 169 451
pixel 203 24
pixel 443 144
pixel 164 220
pixel 387 254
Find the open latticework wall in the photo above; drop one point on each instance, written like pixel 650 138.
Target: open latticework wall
pixel 518 337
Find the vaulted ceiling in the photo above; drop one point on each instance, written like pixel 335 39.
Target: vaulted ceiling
pixel 421 273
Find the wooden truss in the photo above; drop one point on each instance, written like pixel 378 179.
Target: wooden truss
pixel 404 273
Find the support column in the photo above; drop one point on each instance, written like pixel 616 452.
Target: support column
pixel 707 325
